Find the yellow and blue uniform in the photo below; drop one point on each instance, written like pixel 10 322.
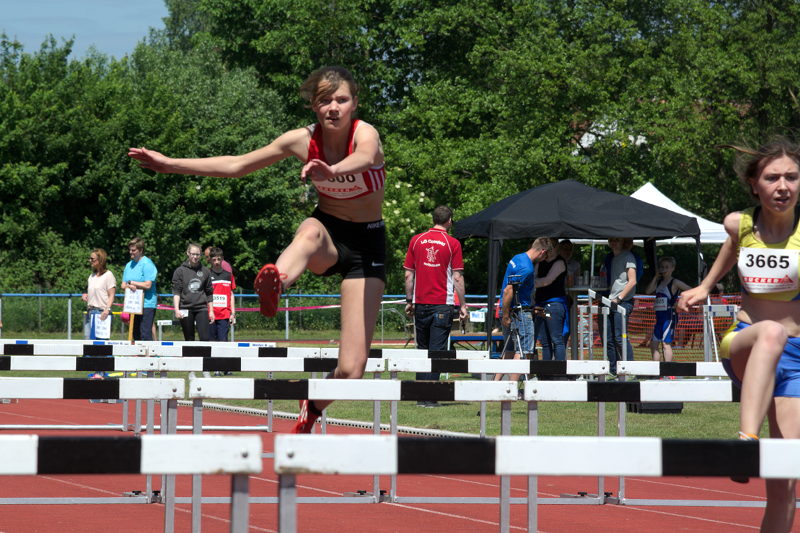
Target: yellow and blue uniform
pixel 777 280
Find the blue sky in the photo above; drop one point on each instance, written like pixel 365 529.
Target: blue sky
pixel 114 27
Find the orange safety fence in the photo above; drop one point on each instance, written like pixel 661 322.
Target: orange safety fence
pixel 687 342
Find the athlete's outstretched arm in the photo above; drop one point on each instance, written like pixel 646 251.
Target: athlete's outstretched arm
pixel 291 143
pixel 722 264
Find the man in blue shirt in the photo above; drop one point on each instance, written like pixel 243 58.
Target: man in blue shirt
pixel 140 274
pixel 520 273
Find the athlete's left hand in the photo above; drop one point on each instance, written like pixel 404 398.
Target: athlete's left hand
pixel 317 170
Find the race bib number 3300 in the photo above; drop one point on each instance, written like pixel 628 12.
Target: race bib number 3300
pixel 763 270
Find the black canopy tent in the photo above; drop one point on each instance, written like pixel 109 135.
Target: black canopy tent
pixel 568 210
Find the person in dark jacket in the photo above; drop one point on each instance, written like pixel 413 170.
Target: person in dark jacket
pixel 192 296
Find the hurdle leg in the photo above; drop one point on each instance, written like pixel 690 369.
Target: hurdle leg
pixel 168 488
pixel 137 428
pixel 621 430
pixel 269 408
pixel 376 430
pixel 240 503
pixel 505 481
pixel 150 422
pixel 125 426
pixel 482 432
pixel 601 432
pixel 533 481
pixel 287 503
pixel 197 479
pixel 393 431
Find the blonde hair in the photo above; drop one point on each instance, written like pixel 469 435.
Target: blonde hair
pixel 102 260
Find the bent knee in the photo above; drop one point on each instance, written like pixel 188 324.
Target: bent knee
pixel 309 232
pixel 774 334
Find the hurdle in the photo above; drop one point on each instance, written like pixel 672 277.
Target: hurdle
pixel 345 389
pixel 698 390
pixel 87 389
pixel 677 369
pixel 148 454
pixel 75 348
pixel 520 455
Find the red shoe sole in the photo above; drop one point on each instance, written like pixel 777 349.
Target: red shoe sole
pixel 303 425
pixel 268 287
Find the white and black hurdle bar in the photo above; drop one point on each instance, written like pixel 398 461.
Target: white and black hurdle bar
pixel 365 390
pixel 61 355
pixel 292 359
pixel 168 391
pixel 485 367
pixel 389 390
pixel 164 357
pixel 148 454
pixel 520 455
pixel 646 391
pixel 420 360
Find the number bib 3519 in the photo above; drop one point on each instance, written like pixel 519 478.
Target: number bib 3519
pixel 764 270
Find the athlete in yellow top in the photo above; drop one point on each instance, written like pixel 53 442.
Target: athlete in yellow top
pixel 764 347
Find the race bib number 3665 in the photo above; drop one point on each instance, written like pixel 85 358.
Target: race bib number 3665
pixel 763 270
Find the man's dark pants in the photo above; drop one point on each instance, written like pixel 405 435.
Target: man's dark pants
pixel 432 324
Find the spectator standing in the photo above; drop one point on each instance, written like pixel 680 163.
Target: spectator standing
pixel 433 274
pixel 99 295
pixel 192 296
pixel 622 289
pixel 140 274
pixel 223 284
pixel 666 289
pixel 520 273
pixel 552 324
pixel 225 265
pixel 565 249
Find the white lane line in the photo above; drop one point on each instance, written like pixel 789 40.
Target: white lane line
pixel 275 482
pixel 450 515
pixel 222 519
pixel 690 517
pixel 699 489
pixel 81 485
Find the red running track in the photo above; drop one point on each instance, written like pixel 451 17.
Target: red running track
pixel 328 518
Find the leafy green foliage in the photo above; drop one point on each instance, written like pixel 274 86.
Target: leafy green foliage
pixel 475 100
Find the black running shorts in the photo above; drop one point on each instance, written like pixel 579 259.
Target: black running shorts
pixel 361 247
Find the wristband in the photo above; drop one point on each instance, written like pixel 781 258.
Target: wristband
pixel 409 300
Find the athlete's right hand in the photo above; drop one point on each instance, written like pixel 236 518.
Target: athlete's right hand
pixel 149 159
pixel 692 297
pixel 317 170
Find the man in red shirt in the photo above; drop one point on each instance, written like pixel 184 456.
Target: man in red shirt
pixel 434 272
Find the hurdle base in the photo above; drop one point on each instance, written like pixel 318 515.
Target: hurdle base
pixel 384 495
pixel 579 494
pixel 655 407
